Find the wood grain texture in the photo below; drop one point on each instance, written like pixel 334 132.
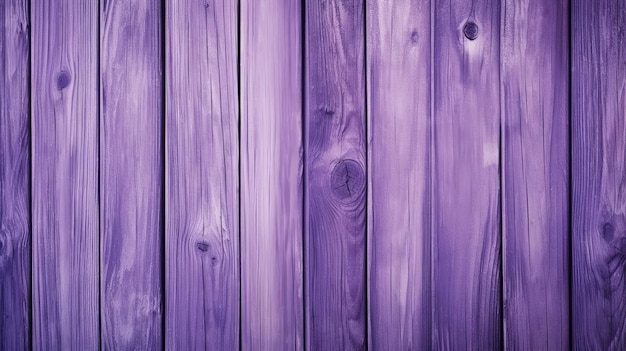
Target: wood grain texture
pixel 271 175
pixel 399 82
pixel 598 168
pixel 15 236
pixel 535 156
pixel 65 175
pixel 131 161
pixel 202 230
pixel 335 176
pixel 466 191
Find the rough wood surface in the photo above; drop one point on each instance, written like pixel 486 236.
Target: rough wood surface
pixel 535 156
pixel 131 161
pixel 598 174
pixel 271 175
pixel 65 175
pixel 399 93
pixel 335 176
pixel 202 220
pixel 466 190
pixel 15 263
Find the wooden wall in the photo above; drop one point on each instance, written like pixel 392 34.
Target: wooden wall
pixel 313 175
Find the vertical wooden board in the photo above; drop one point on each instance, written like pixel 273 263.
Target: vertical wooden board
pixel 202 233
pixel 535 142
pixel 131 174
pixel 271 175
pixel 598 167
pixel 466 223
pixel 65 175
pixel 335 176
pixel 14 176
pixel 399 81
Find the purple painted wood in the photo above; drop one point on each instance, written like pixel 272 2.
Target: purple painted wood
pixel 271 175
pixel 535 179
pixel 65 175
pixel 335 176
pixel 399 88
pixel 598 168
pixel 202 233
pixel 15 286
pixel 131 163
pixel 466 192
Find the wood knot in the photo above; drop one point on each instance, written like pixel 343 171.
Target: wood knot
pixel 414 37
pixel 326 110
pixel 5 248
pixel 3 240
pixel 203 246
pixel 205 250
pixel 608 231
pixel 470 30
pixel 621 246
pixel 347 179
pixel 63 80
pixel 24 29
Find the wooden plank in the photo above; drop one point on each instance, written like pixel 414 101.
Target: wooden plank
pixel 14 176
pixel 335 175
pixel 65 174
pixel 598 166
pixel 131 173
pixel 271 175
pixel 466 192
pixel 535 156
pixel 202 233
pixel 399 82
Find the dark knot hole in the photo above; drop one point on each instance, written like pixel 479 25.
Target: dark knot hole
pixel 470 30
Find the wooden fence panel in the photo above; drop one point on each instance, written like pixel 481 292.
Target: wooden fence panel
pixel 466 184
pixel 202 205
pixel 598 167
pixel 15 216
pixel 272 316
pixel 335 175
pixel 399 208
pixel 65 175
pixel 535 177
pixel 131 174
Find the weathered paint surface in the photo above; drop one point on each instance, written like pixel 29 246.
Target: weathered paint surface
pixel 201 172
pixel 399 93
pixel 466 185
pixel 335 176
pixel 535 174
pixel 131 168
pixel 272 306
pixel 598 168
pixel 65 175
pixel 215 175
pixel 15 259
